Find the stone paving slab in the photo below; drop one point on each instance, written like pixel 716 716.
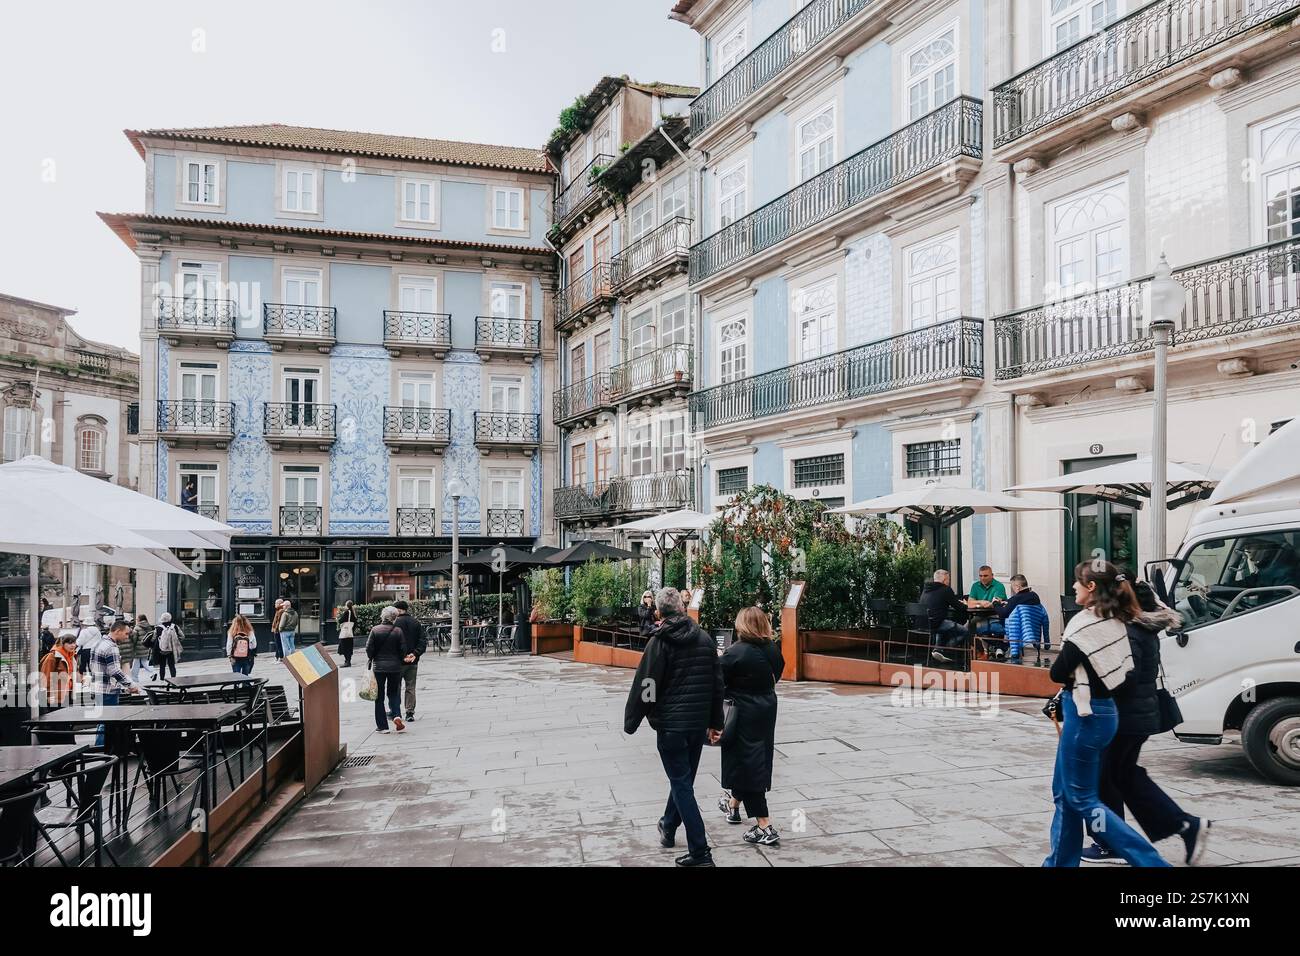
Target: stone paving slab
pixel 523 761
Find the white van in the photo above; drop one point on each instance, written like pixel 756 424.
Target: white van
pixel 1235 663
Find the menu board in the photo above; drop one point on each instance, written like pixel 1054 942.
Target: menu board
pixel 308 664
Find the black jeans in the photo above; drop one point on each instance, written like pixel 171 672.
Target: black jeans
pixel 1123 781
pixel 166 662
pixel 950 634
pixel 345 648
pixel 680 754
pixel 755 802
pixel 390 691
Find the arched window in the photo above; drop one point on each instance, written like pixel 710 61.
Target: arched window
pixel 92 435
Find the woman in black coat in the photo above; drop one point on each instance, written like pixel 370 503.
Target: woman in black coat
pixel 750 669
pixel 645 614
pixel 1122 780
pixel 386 651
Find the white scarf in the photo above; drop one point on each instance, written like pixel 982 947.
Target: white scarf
pixel 1105 643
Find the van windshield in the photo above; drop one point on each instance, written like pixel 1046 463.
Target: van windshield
pixel 1227 576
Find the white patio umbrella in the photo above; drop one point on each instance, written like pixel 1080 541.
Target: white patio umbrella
pixel 1129 482
pixel 943 505
pixel 669 529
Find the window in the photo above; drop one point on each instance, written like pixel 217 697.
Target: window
pixel 577 263
pixel 202 185
pixel 929 459
pixel 299 190
pixel 505 489
pixel 640 449
pixel 602 354
pixel 418 201
pixel 814 310
pixel 932 281
pixel 642 339
pixel 200 286
pixel 673 325
pixel 733 346
pixel 92 432
pixel 819 470
pixel 416 389
pixel 603 245
pixel 674 197
pixel 198 381
pixel 816 138
pixel 507 300
pixel 1225 577
pixel 507 208
pixel 733 481
pixel 301 287
pixel 577 364
pixel 603 458
pixel 506 394
pixel 1276 148
pixel 417 293
pixel 205 477
pixel 302 485
pixel 673 438
pixel 641 219
pixel 931 73
pixel 578 465
pixel 1089 238
pixel 301 393
pixel 1069 21
pixel 415 487
pixel 732 186
pixel 732 44
pixel 18 432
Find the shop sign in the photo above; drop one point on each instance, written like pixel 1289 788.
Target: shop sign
pixel 299 554
pixel 377 555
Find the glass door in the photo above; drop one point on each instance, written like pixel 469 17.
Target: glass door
pixel 198 396
pixel 1098 528
pixel 301 393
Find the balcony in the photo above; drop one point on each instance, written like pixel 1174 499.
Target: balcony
pixel 509 431
pixel 298 424
pixel 93 362
pixel 655 376
pixel 585 297
pixel 188 321
pixel 625 497
pixel 880 179
pixel 417 522
pixel 583 401
pixel 212 512
pixel 1130 66
pixel 494 335
pixel 579 195
pixel 1248 301
pixel 300 519
pixel 923 365
pixel 298 326
pixel 505 522
pixel 656 256
pixel 417 333
pixel 196 423
pixel 408 429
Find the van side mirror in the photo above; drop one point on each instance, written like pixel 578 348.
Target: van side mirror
pixel 1181 638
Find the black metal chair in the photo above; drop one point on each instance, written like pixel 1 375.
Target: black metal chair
pixel 84 777
pixel 19 827
pixel 162 694
pixel 505 639
pixel 1069 608
pixel 164 758
pixel 918 626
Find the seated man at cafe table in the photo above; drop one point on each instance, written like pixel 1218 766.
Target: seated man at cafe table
pixel 946 614
pixel 987 592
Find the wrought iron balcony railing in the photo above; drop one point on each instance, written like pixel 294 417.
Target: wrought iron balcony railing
pixel 589 289
pixel 494 332
pixel 670 242
pixel 787 44
pixel 428 329
pixel 505 521
pixel 583 398
pixel 404 423
pixel 507 428
pixel 662 491
pixel 668 366
pixel 935 353
pixel 575 195
pixel 1148 41
pixel 304 420
pixel 576 501
pixel 190 416
pixel 210 511
pixel 183 314
pixel 91 361
pixel 300 519
pixel 1249 291
pixel 951 131
pixel 417 521
pixel 286 320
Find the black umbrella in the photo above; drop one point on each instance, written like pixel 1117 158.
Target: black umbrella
pixel 499 558
pixel 585 551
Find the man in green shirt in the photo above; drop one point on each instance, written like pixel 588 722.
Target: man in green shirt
pixel 988 588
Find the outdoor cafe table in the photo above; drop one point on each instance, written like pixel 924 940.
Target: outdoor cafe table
pixel 22 763
pixel 206 681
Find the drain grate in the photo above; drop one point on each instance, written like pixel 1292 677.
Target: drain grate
pixel 351 762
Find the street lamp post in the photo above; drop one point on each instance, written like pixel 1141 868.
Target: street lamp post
pixel 1167 300
pixel 454 490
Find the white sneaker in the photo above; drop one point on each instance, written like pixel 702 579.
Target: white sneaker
pixel 940 658
pixel 384 731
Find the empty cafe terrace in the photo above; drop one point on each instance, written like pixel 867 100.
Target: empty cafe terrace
pixel 947 357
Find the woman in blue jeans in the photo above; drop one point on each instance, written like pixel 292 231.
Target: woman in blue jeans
pixel 1095 660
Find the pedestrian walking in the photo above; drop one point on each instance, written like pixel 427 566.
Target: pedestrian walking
pixel 288 627
pixel 347 622
pixel 417 643
pixel 280 605
pixel 241 645
pixel 138 649
pixel 678 687
pixel 751 666
pixel 1094 662
pixel 58 669
pixel 107 678
pixel 88 636
pixel 386 653
pixel 1123 781
pixel 645 614
pixel 169 645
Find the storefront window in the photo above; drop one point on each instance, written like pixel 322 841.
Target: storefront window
pixel 198 605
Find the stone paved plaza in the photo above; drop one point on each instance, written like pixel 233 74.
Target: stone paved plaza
pixel 522 761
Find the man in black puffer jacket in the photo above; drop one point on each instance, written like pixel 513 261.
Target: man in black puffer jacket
pixel 679 688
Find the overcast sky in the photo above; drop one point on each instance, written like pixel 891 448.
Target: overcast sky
pixel 75 74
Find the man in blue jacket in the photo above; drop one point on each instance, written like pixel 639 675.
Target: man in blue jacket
pixel 1023 618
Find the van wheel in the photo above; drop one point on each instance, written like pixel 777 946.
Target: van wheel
pixel 1270 736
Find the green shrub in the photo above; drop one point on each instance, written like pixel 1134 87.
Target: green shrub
pixel 549 592
pixel 368 614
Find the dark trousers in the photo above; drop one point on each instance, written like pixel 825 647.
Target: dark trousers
pixel 390 692
pixel 83 660
pixel 1124 782
pixel 166 662
pixel 950 634
pixel 242 665
pixel 345 649
pixel 680 755
pixel 410 672
pixel 755 802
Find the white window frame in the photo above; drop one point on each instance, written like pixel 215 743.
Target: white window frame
pixel 99 447
pixel 434 199
pixel 815 146
pixel 508 388
pixel 507 294
pixel 18 425
pixel 578 477
pixel 641 447
pixel 826 318
pixel 207 273
pixel 507 226
pixel 954 59
pixel 730 197
pixel 200 469
pixel 299 170
pixel 290 274
pixel 678 331
pixel 1079 8
pixel 637 224
pixel 737 29
pixel 502 480
pixel 417 286
pixel 202 163
pixel 417 381
pixel 672 443
pixel 413 477
pixel 642 332
pixel 1056 239
pixel 1288 163
pixel 932 282
pixel 676 190
pixel 301 473
pixel 727 368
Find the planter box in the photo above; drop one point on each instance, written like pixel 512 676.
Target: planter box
pixel 840 670
pixel 552 638
pixel 591 653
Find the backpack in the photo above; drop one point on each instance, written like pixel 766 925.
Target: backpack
pixel 239 646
